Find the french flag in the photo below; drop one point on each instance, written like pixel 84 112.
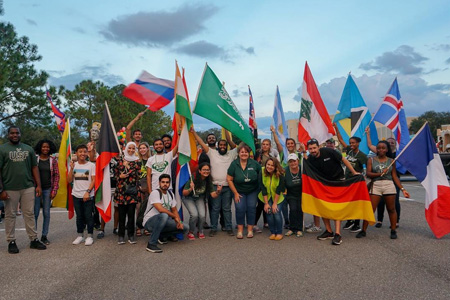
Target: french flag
pixel 151 91
pixel 421 158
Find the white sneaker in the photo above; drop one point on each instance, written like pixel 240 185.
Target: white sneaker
pixel 89 241
pixel 78 240
pixel 314 229
pixel 309 225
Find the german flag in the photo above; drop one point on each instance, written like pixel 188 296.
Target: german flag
pixel 336 200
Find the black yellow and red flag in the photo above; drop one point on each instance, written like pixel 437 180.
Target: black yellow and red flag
pixel 336 200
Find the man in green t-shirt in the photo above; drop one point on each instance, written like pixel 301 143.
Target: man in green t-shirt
pixel 20 175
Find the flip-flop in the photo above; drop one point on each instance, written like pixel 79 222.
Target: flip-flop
pixel 138 232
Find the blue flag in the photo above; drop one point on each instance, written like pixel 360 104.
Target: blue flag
pixel 280 123
pixel 353 116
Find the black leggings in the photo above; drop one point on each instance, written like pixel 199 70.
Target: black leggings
pixel 259 210
pixel 125 211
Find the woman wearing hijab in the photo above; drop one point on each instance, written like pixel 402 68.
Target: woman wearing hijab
pixel 127 172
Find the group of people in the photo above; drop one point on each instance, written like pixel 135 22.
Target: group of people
pixel 143 188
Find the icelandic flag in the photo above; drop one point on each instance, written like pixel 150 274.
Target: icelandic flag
pixel 252 116
pixel 150 90
pixel 60 117
pixel 392 115
pixel 421 158
pixel 353 116
pixel 280 123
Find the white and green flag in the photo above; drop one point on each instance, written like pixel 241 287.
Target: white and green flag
pixel 214 103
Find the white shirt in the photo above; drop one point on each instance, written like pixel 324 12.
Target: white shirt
pixel 82 178
pixel 167 201
pixel 220 164
pixel 159 164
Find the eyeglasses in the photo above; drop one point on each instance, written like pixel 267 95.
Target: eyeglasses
pixel 312 141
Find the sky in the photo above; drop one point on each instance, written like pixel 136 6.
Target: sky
pixel 258 43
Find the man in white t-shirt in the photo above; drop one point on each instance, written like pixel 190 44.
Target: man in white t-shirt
pixel 220 161
pixel 161 215
pixel 159 164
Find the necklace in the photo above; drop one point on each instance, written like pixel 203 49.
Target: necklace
pixel 296 176
pixel 246 179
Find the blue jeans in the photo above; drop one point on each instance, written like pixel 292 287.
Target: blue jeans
pixel 246 207
pixel 197 212
pixel 275 220
pixel 46 203
pixel 85 216
pixel 162 225
pixel 223 201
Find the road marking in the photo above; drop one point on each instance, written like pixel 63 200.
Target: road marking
pixel 19 229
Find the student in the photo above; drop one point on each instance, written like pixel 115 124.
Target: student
pixel 49 174
pixel 82 174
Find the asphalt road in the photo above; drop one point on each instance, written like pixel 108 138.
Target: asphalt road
pixel 415 266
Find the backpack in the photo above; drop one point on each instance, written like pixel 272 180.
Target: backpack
pixel 143 209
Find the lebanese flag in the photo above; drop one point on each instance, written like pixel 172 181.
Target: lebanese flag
pixel 420 157
pixel 108 147
pixel 314 121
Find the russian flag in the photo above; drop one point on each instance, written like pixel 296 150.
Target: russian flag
pixel 150 90
pixel 421 158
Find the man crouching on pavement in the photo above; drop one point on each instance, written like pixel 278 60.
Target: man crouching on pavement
pixel 161 216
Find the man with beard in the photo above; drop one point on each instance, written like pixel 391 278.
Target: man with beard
pixel 327 163
pixel 167 141
pixel 158 164
pixel 161 215
pixel 220 161
pixel 21 183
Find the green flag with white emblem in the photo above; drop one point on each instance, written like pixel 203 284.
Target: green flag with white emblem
pixel 214 103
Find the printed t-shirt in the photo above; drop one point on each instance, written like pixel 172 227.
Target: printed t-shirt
pixel 82 178
pixel 159 164
pixel 16 163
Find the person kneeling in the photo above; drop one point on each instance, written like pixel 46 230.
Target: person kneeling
pixel 161 216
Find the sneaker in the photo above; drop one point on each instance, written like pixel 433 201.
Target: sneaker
pixel 37 244
pixel 355 228
pixel 212 233
pixel 12 248
pixel 393 234
pixel 326 235
pixel 101 235
pixel 361 234
pixel 310 225
pixel 89 241
pixel 45 240
pixel 314 229
pixel 153 248
pixel 162 241
pixel 378 225
pixel 206 226
pixel 132 240
pixel 337 239
pixel 257 229
pixel 230 232
pixel 78 240
pixel 115 231
pixel 121 240
pixel 191 236
pixel 201 235
pixel 172 238
pixel 349 224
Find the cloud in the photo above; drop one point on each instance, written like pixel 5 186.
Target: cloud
pixel 417 94
pixel 31 22
pixel 79 30
pixel 202 49
pixel 403 60
pixel 159 28
pixel 448 61
pixel 238 93
pixel 85 73
pixel 248 50
pixel 441 47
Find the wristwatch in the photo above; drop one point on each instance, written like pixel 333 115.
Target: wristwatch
pixel 89 190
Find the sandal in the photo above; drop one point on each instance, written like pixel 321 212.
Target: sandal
pixel 249 234
pixel 239 235
pixel 138 232
pixel 146 232
pixel 289 233
pixel 299 234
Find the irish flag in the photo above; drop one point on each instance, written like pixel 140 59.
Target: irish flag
pixel 64 198
pixel 335 200
pixel 314 121
pixel 108 147
pixel 187 149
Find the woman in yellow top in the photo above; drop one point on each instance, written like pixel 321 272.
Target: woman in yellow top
pixel 271 182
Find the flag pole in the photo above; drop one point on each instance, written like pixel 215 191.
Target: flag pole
pixel 199 85
pixel 407 145
pixel 114 129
